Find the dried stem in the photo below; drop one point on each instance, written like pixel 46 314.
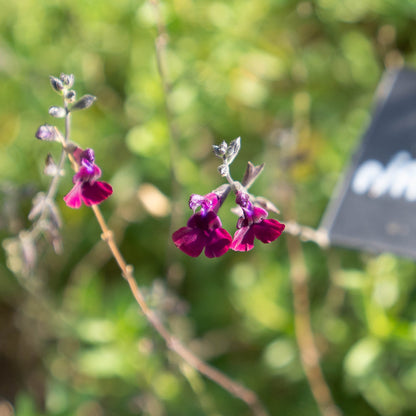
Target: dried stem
pixel 305 233
pixel 236 389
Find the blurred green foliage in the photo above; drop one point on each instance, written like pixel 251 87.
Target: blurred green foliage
pixel 77 345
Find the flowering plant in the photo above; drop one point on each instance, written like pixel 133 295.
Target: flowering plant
pixel 21 250
pixel 203 231
pixel 204 228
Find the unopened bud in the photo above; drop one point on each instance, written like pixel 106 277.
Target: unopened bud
pixel 58 112
pixel 51 168
pixel 57 84
pixel 47 132
pixel 70 96
pixel 84 102
pixel 233 149
pixel 67 80
pixel 220 150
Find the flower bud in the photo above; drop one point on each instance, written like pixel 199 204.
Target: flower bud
pixel 67 80
pixel 220 150
pixel 233 149
pixel 47 132
pixel 70 96
pixel 57 84
pixel 84 102
pixel 58 112
pixel 51 168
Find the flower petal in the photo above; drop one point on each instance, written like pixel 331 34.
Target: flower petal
pixel 190 240
pixel 268 230
pixel 206 222
pixel 259 214
pixel 94 193
pixel 73 197
pixel 219 242
pixel 243 239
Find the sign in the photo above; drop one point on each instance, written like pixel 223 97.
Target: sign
pixel 374 207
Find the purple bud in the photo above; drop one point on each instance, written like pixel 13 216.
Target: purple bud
pixel 57 84
pixel 58 112
pixel 84 102
pixel 47 132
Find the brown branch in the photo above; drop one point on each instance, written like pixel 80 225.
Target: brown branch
pixel 234 388
pixel 304 233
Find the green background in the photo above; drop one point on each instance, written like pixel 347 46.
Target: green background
pixel 72 339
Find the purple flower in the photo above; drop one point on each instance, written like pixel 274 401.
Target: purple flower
pixel 252 224
pixel 203 229
pixel 86 187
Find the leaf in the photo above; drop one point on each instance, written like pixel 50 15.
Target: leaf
pixel 251 174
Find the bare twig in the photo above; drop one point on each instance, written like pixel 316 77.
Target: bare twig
pixel 305 233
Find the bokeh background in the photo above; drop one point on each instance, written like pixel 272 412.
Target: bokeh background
pixel 72 339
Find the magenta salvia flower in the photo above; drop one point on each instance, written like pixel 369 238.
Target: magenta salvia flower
pixel 203 229
pixel 86 187
pixel 252 224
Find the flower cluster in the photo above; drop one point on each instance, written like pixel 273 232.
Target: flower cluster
pixel 87 189
pixel 204 228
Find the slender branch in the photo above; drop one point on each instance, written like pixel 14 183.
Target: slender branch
pixel 236 389
pixel 304 233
